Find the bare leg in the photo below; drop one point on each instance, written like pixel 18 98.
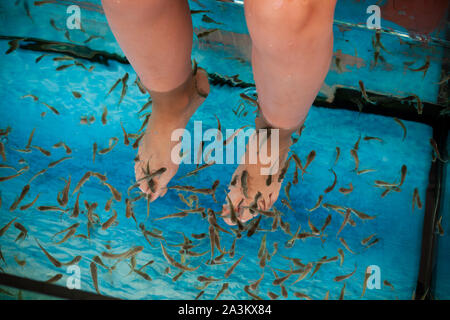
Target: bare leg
pixel 156 36
pixel 292 50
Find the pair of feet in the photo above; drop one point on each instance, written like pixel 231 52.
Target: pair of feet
pixel 172 111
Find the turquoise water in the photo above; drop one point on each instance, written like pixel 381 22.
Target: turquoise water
pixel 397 227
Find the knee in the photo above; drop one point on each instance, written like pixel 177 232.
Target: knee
pixel 289 17
pixel 143 7
pixel 294 15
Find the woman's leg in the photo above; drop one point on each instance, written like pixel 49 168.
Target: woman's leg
pixel 292 50
pixel 156 37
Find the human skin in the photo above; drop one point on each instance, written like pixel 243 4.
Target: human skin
pixel 292 49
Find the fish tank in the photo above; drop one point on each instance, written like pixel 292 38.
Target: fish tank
pixel 368 220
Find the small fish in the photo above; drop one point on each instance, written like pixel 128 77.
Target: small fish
pixel 368 138
pixel 2 151
pixel 37 175
pixel 356 146
pixel 251 294
pixel 244 183
pixel 114 85
pixel 338 153
pixel 403 171
pixel 284 169
pixel 341 255
pixel 111 144
pixel 92 37
pixel 20 262
pixel 93 268
pixel 309 159
pixel 55 262
pixel 74 226
pixel 365 171
pixel 341 296
pixel 199 295
pixel 22 195
pixel 331 187
pixel 297 161
pixel 174 263
pixel 51 208
pixel 13 45
pixel 40 57
pixel 76 208
pixel 125 136
pixel 42 150
pixel 195 171
pixel 199 236
pixel 302 295
pixel 62 144
pixel 388 284
pixel 6 227
pixel 305 272
pixel 254 227
pixel 367 274
pixel 416 198
pixel 23 231
pixel 65 194
pixel 143 275
pixel 205 33
pixel 355 157
pixel 272 295
pixel 116 194
pixel 317 205
pixel 345 277
pixel 231 138
pixel 104 115
pixel 346 190
pixel 262 247
pixel 231 269
pixel 83 180
pixel 366 240
pixel 181 214
pixel 400 123
pixel 222 289
pixel 124 255
pixel 110 221
pixel 207 19
pixel 346 219
pixel 66 237
pixel 76 94
pixel 423 68
pixel 344 243
pixel 64 66
pixel 124 81
pixel 436 150
pixel 364 93
pixel 374 241
pixel 284 292
pixel 29 205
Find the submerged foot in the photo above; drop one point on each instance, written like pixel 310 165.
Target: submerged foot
pixel 170 111
pixel 249 188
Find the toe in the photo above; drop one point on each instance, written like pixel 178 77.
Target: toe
pixel 143 186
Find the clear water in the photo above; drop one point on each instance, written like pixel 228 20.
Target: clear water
pixel 396 225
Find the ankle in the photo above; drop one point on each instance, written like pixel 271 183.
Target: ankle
pixel 177 98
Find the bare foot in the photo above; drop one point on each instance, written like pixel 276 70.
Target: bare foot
pixel 170 111
pixel 261 190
